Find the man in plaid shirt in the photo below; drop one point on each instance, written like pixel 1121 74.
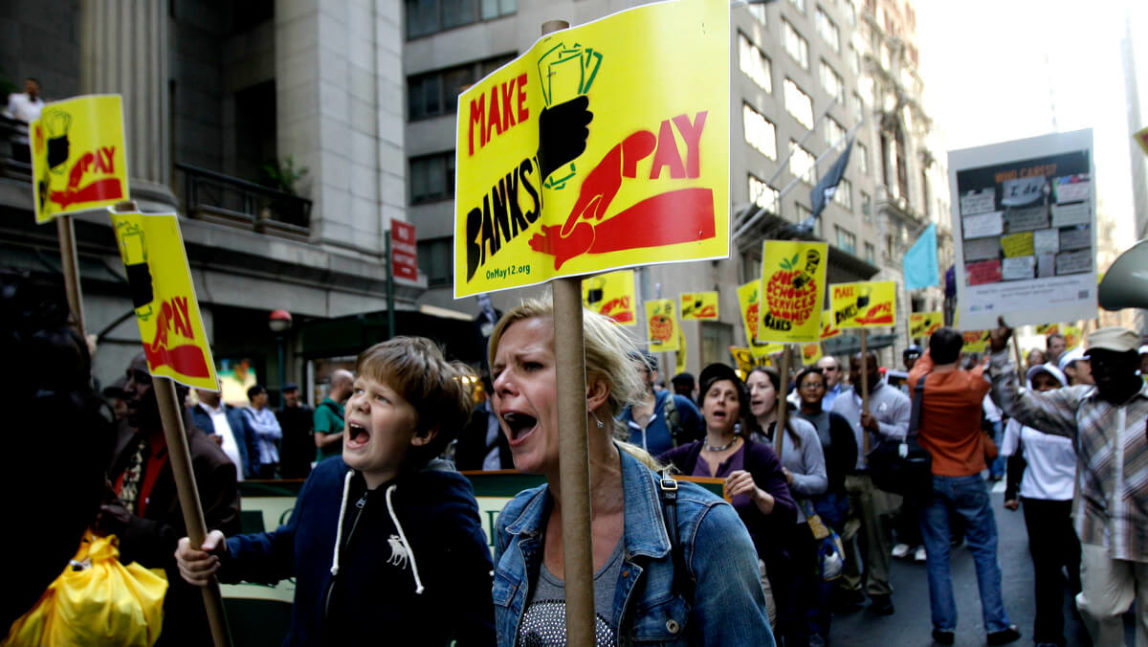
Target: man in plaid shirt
pixel 1108 423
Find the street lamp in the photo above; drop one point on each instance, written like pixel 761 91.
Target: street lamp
pixel 280 322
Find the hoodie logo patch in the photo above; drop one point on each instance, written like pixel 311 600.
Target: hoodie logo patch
pixel 399 555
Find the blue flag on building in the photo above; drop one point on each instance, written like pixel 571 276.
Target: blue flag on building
pixel 920 264
pixel 823 192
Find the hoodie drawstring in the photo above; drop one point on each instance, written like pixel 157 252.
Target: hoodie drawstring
pixel 403 537
pixel 339 528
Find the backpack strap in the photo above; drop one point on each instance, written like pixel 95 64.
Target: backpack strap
pixel 668 493
pixel 915 416
pixel 673 420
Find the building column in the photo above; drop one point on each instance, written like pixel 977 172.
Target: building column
pixel 123 50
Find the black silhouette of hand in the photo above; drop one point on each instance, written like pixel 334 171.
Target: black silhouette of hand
pixel 562 133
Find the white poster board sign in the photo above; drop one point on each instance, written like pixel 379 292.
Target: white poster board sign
pixel 1041 220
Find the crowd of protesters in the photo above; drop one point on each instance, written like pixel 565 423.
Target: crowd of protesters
pixel 387 532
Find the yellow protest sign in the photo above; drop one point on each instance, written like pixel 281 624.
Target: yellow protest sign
pixel 870 304
pixel 744 359
pixel 680 356
pixel 976 341
pixel 603 146
pixel 828 330
pixel 811 353
pixel 78 157
pixel 700 306
pixel 793 286
pixel 661 325
pixel 1015 245
pixel 166 308
pixel 1047 329
pixel 612 295
pixel 924 324
pixel 748 297
pixel 1072 336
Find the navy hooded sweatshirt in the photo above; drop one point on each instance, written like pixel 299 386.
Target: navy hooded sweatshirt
pixel 423 581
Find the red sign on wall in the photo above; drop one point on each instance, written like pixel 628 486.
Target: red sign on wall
pixel 404 253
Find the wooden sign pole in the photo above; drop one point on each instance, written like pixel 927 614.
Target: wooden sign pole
pixel 179 456
pixel 573 447
pixel 779 429
pixel 71 268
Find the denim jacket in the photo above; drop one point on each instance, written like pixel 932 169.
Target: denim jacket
pixel 728 607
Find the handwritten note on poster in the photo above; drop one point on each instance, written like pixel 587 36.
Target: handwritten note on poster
pixel 1046 241
pixel 975 202
pixel 1066 215
pixel 1018 268
pixel 982 272
pixel 1075 238
pixel 1022 191
pixel 1074 262
pixel 1026 218
pixel 1017 244
pixel 988 224
pixel 982 249
pixel 1072 188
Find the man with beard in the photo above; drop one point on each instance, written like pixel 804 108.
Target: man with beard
pixel 146 515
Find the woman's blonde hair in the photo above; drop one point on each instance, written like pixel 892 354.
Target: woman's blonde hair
pixel 607 351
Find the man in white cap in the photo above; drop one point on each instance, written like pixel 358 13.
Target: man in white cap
pixel 1075 366
pixel 1108 423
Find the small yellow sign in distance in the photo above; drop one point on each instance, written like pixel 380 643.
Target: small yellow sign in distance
pixel 871 304
pixel 612 294
pixel 661 325
pixel 700 306
pixel 924 324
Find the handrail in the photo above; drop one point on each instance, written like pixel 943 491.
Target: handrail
pixel 211 194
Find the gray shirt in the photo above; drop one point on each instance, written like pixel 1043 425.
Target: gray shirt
pixel 889 406
pixel 544 622
pixel 806 463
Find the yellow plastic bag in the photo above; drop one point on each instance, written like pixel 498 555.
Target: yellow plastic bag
pixel 96 601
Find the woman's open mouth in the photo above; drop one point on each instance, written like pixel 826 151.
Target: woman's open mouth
pixel 519 426
pixel 357 435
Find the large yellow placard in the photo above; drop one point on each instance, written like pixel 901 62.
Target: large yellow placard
pixel 612 294
pixel 871 304
pixel 166 308
pixel 924 324
pixel 793 289
pixel 699 306
pixel 78 157
pixel 661 325
pixel 604 146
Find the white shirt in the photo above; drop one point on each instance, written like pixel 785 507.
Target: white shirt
pixel 24 108
pixel 1051 471
pixel 223 428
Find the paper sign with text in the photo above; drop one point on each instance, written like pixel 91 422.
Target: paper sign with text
pixel 793 290
pixel 699 306
pixel 79 161
pixel 828 330
pixel 748 297
pixel 976 341
pixel 604 146
pixel 612 294
pixel 746 360
pixel 1047 329
pixel 924 324
pixel 163 296
pixel 872 304
pixel 680 356
pixel 661 325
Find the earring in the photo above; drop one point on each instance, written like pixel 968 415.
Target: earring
pixel 596 420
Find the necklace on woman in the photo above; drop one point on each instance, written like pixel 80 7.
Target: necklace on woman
pixel 718 450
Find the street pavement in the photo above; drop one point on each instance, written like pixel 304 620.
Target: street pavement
pixel 911 625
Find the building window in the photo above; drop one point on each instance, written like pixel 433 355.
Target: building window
pixel 862 154
pixel 795 44
pixel 902 166
pixel 432 177
pixel 925 200
pixel 828 30
pixel 846 241
pixel 834 132
pixel 832 82
pixel 758 12
pixel 759 132
pixel 870 254
pixel 856 59
pixel 844 194
pixel 429 16
pixel 435 259
pixel 799 4
pixel 799 104
pixel 763 195
pixel 436 93
pixel 804 213
pixel 754 63
pixel 858 106
pixel 866 205
pixel 802 163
